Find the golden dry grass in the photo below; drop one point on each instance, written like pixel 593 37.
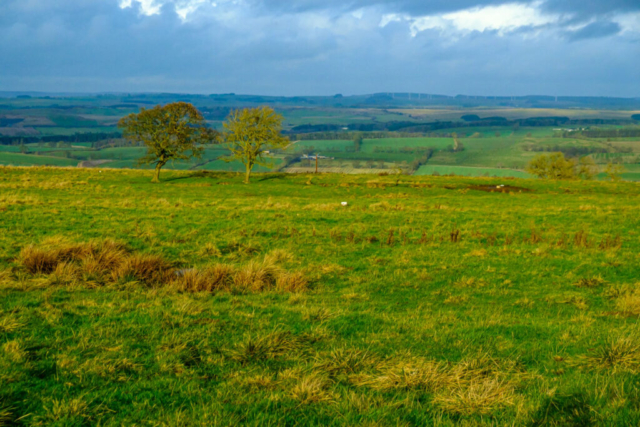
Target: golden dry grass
pixel 269 346
pixel 257 276
pixel 312 389
pixel 481 397
pixel 37 260
pixel 147 268
pixel 212 278
pixel 109 262
pixel 9 323
pixel 291 282
pixel 628 303
pixel 478 386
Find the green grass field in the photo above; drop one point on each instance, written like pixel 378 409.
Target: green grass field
pixel 17 159
pixel 424 301
pixel 471 171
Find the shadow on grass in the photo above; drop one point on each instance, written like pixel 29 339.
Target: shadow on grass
pixel 201 174
pixel 270 176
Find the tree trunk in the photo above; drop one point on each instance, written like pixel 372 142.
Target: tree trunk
pixel 246 178
pixel 156 173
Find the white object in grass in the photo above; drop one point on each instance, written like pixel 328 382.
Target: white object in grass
pixel 344 203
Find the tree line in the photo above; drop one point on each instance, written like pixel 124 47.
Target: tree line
pixel 347 135
pixel 76 137
pixel 426 127
pixel 633 132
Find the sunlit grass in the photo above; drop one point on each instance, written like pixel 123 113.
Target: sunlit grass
pixel 423 301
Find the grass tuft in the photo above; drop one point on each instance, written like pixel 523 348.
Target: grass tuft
pixel 628 303
pixel 480 397
pixel 257 276
pixel 291 282
pixel 6 415
pixel 312 389
pixel 273 345
pixel 420 375
pixel 39 261
pixel 73 411
pixel 147 268
pixel 212 278
pixel 345 361
pixel 9 324
pixel 621 354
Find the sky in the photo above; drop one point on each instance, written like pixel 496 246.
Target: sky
pixel 322 47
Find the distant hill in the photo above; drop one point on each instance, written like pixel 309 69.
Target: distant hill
pixel 379 100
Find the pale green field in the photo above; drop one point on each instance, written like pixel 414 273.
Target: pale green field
pixel 470 171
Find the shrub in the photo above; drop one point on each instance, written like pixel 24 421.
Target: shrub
pixel 556 166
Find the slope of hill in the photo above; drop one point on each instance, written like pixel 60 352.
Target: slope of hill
pixel 422 301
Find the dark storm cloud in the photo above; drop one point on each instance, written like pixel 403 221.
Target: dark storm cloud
pixel 320 47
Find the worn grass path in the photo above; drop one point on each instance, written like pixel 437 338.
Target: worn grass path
pixel 428 302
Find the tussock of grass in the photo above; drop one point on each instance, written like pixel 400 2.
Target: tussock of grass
pixel 616 354
pixel 37 260
pixel 279 256
pixel 481 397
pixel 260 381
pixel 212 278
pixel 628 303
pixel 13 350
pixel 275 344
pixel 147 268
pixel 257 276
pixel 423 375
pixel 94 257
pixel 9 323
pixel 110 262
pixel 312 389
pixel 291 282
pixel 477 386
pixel 345 361
pixel 210 249
pixel 70 411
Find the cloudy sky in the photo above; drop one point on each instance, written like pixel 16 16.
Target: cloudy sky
pixel 322 47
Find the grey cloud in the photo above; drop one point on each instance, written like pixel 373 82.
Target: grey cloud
pixel 595 30
pixel 579 9
pixel 412 7
pixel 593 8
pixel 273 48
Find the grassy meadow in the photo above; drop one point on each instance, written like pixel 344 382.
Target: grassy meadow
pixel 425 301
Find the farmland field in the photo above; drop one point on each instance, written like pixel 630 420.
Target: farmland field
pixel 424 301
pixel 407 132
pixel 470 171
